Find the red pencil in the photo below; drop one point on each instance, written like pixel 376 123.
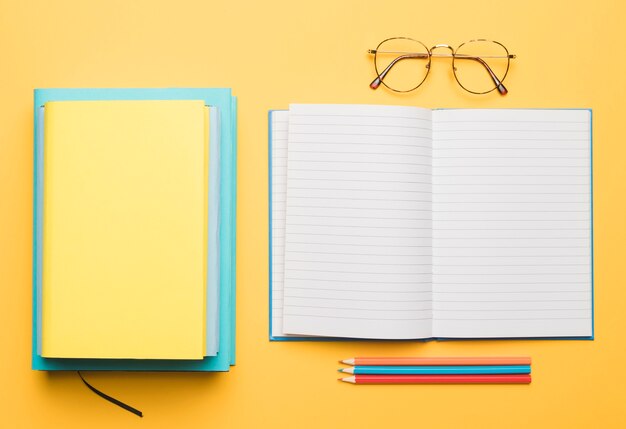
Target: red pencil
pixel 439 379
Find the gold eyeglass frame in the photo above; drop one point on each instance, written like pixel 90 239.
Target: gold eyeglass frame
pixel 498 82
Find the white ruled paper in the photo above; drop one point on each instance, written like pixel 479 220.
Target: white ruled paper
pixel 512 223
pixel 358 222
pixel 279 124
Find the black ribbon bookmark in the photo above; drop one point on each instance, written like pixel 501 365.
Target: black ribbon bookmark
pixel 110 399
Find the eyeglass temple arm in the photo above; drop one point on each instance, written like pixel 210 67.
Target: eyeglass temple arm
pixel 499 85
pixel 379 79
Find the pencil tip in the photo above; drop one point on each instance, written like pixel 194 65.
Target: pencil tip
pixel 348 379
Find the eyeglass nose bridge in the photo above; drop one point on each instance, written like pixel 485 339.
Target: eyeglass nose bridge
pixel 442 45
pixel 439 46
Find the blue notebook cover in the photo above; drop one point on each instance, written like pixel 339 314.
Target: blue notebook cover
pixel 317 338
pixel 218 97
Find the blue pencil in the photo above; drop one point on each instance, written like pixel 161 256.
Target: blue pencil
pixel 448 369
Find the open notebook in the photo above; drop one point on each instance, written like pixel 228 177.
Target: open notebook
pixel 394 222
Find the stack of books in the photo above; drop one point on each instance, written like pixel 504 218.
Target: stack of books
pixel 134 229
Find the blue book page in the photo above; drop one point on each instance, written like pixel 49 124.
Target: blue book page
pixel 213 272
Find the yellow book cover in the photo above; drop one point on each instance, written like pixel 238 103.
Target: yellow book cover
pixel 124 219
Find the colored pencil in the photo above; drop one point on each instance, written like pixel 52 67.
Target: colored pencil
pixel 438 379
pixel 449 369
pixel 419 361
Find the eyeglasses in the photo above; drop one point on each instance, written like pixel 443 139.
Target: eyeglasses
pixel 479 66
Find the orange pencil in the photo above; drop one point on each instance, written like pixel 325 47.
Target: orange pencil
pixel 439 379
pixel 416 361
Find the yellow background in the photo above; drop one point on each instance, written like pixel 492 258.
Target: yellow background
pixel 570 54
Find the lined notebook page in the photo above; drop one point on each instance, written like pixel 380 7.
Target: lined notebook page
pixel 512 223
pixel 358 234
pixel 279 125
